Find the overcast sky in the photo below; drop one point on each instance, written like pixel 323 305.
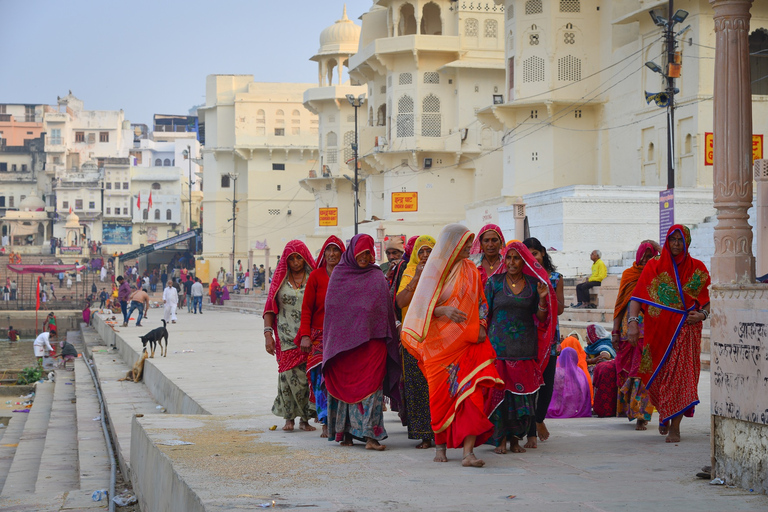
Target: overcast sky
pixel 152 56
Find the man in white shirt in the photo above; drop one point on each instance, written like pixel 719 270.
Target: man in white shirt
pixel 42 346
pixel 171 301
pixel 197 296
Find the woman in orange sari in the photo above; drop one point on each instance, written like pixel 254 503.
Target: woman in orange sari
pixel 445 330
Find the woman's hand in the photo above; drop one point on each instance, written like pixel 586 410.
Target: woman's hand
pixel 269 343
pixel 633 333
pixel 417 274
pixel 694 317
pixel 543 289
pixel 306 344
pixel 481 335
pixel 453 314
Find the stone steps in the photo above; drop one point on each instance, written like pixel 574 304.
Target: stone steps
pixel 91 446
pixel 10 440
pixel 22 475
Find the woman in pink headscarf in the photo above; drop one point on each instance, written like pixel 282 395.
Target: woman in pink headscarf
pixel 486 251
pixel 571 397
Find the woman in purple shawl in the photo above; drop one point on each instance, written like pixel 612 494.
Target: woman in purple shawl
pixel 360 352
pixel 570 397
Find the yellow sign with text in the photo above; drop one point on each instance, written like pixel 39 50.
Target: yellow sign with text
pixel 329 217
pixel 405 201
pixel 709 144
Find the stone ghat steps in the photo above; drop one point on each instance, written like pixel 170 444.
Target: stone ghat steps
pixel 9 442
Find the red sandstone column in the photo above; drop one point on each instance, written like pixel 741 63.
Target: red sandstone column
pixel 733 260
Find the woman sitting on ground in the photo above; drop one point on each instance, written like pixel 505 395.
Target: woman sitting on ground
pixel 571 396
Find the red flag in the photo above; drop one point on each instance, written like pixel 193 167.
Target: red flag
pixel 37 306
pixel 70 209
pixel 150 199
pixel 138 203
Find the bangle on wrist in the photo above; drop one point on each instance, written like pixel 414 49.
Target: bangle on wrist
pixel 269 330
pixel 633 319
pixel 615 332
pixel 543 309
pixel 705 313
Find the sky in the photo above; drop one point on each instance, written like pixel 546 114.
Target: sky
pixel 151 57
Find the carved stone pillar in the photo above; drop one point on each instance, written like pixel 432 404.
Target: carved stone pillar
pixel 733 260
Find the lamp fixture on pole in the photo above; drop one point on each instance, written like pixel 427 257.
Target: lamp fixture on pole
pixel 233 178
pixel 188 155
pixel 356 103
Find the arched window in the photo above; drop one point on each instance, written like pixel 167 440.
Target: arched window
pixel 470 27
pixel 511 12
pixel 167 214
pixel 381 115
pixel 261 117
pixel 296 113
pixel 758 60
pixel 431 77
pixel 158 162
pixel 167 162
pixel 155 186
pixel 491 29
pixel 431 24
pixel 145 214
pixel 279 113
pixel 533 7
pixel 430 117
pixel 405 117
pixel 405 79
pixel 407 25
pixel 157 214
pixel 332 140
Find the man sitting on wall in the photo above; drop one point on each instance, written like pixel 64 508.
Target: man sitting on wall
pixel 599 272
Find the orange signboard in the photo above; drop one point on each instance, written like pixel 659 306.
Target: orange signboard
pixel 709 142
pixel 405 201
pixel 329 217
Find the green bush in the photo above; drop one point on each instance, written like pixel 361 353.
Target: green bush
pixel 29 375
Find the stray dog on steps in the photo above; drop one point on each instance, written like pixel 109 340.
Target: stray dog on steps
pixel 154 337
pixel 136 372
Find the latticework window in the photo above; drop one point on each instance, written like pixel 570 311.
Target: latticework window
pixel 431 77
pixel 569 69
pixel 511 12
pixel 405 117
pixel 570 6
pixel 383 89
pixel 260 117
pixel 331 140
pixel 569 38
pixel 533 7
pixel 430 118
pixel 491 29
pixel 405 79
pixel 351 118
pixel 471 27
pixel 273 211
pixel 533 69
pixel 533 39
pixel 349 139
pixel 332 156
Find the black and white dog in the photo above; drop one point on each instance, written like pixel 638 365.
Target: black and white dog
pixel 154 337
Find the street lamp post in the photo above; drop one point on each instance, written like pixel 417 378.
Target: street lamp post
pixel 188 156
pixel 233 177
pixel 356 103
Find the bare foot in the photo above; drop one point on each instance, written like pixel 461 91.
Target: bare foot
pixel 532 442
pixel 440 454
pixel 673 436
pixel 663 429
pixel 541 430
pixel 470 461
pixel 501 449
pixel 423 445
pixel 641 425
pixel 325 431
pixel 515 446
pixel 306 427
pixel 347 441
pixel 373 444
pixel 288 426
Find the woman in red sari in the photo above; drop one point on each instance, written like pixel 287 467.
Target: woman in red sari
pixel 445 330
pixel 486 252
pixel 282 319
pixel 311 330
pixel 673 294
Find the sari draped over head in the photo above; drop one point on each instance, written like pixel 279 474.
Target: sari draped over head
pixel 291 358
pixel 212 288
pixel 668 289
pixel 629 279
pixel 413 262
pixel 409 247
pixel 359 310
pixel 331 240
pixel 570 395
pixel 476 252
pixel 599 340
pixel 573 341
pixel 455 365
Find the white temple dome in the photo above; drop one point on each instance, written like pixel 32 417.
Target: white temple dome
pixel 341 37
pixel 73 221
pixel 31 203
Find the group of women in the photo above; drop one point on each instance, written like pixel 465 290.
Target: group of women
pixel 461 338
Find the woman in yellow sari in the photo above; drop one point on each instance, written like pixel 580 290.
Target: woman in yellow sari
pixel 445 330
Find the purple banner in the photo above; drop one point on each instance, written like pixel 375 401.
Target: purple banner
pixel 666 213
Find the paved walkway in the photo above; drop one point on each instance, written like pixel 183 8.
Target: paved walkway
pixel 236 461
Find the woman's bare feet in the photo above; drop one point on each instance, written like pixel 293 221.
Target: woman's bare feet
pixel 532 442
pixel 424 444
pixel 325 431
pixel 641 425
pixel 515 446
pixel 305 426
pixel 470 461
pixel 373 444
pixel 288 427
pixel 347 440
pixel 502 448
pixel 440 454
pixel 541 430
pixel 674 430
pixel 663 429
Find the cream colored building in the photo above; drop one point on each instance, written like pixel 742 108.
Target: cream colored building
pixel 583 147
pixel 260 142
pixel 429 67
